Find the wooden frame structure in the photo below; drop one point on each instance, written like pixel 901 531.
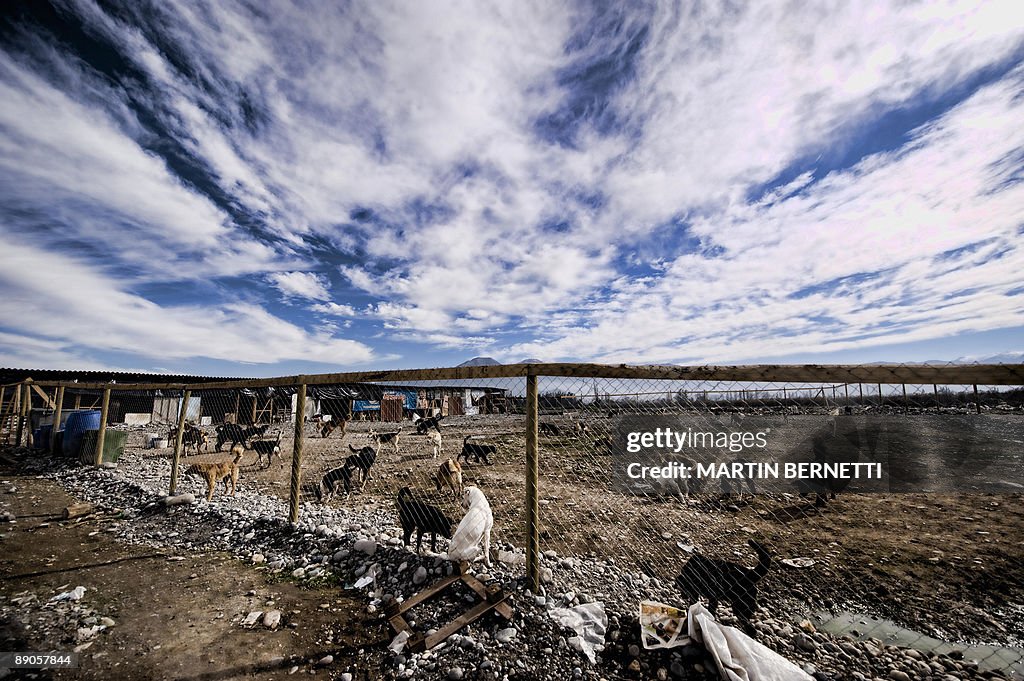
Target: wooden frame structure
pixel 492 597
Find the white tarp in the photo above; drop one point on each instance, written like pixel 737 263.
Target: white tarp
pixel 589 621
pixel 739 657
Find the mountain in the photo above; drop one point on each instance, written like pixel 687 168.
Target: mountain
pixel 481 362
pixel 531 361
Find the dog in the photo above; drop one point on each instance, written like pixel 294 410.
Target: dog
pixel 328 427
pixel 423 425
pixel 270 448
pixel 424 518
pixel 478 452
pixel 549 429
pixel 237 434
pixel 191 436
pixel 474 528
pixel 215 472
pixel 449 474
pixel 362 460
pixel 381 439
pixel 719 580
pixel 329 483
pixel 435 441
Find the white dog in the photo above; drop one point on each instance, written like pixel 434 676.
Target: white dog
pixel 435 439
pixel 475 527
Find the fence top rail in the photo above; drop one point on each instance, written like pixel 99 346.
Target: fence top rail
pixel 956 374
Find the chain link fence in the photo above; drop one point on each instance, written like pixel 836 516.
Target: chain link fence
pixel 929 552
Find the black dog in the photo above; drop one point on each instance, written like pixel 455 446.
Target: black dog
pixel 234 433
pixel 361 461
pixel 193 437
pixel 268 448
pixel 478 452
pixel 720 580
pixel 329 483
pixel 549 429
pixel 415 515
pixel 423 425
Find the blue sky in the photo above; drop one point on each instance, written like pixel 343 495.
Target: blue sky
pixel 232 189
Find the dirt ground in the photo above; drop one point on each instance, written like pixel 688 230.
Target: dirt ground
pixel 177 617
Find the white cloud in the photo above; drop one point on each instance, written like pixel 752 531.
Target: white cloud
pixel 88 310
pixel 335 309
pixel 301 285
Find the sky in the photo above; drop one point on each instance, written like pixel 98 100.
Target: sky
pixel 256 189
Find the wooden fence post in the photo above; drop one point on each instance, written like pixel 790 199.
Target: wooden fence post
pixel 56 418
pixel 102 435
pixel 24 409
pixel 532 480
pixel 300 427
pixel 178 436
pixel 977 400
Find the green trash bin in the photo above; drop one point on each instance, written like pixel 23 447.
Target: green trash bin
pixel 113 445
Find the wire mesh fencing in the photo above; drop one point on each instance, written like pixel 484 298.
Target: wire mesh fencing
pixel 675 475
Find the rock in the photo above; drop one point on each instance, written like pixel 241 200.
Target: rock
pixel 455 674
pixel 505 635
pixel 107 622
pixel 258 559
pixel 347 676
pixel 271 619
pixel 546 575
pixel 420 575
pixel 367 546
pixel 897 675
pixel 299 573
pixel 325 661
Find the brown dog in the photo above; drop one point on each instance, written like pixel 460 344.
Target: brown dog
pixel 218 471
pixel 449 474
pixel 328 427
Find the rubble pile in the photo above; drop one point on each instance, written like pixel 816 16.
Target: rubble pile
pixel 360 547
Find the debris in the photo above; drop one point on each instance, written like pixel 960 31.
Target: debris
pixel 179 500
pixel 798 562
pixel 398 643
pixel 662 626
pixel 589 621
pixel 73 595
pixel 77 510
pixel 737 656
pixel 252 618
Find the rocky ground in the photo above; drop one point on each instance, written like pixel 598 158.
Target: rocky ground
pixel 349 559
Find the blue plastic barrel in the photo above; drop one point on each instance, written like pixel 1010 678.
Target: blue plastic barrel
pixel 74 428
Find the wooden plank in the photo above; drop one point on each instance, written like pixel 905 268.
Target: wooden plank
pixel 297 443
pixel 46 398
pixel 179 435
pixel 428 593
pixel 459 622
pixel 968 374
pixel 503 608
pixel 101 436
pixel 532 484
